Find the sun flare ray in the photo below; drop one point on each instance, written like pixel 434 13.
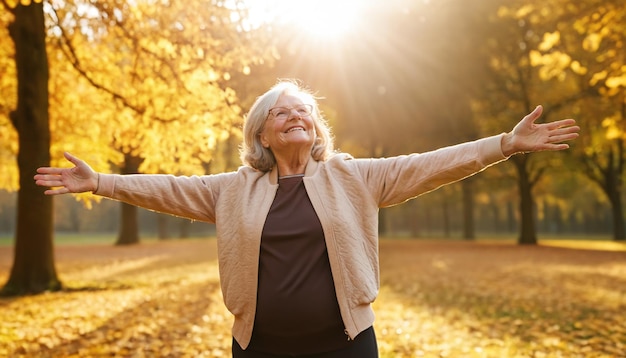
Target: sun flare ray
pixel 317 19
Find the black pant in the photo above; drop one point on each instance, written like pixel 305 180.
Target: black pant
pixel 364 346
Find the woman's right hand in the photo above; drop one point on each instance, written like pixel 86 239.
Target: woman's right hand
pixel 81 178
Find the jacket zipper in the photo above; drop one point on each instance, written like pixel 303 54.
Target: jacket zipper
pixel 346 332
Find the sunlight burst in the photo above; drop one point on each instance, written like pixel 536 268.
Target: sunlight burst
pixel 324 19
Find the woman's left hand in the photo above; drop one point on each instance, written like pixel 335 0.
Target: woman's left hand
pixel 528 136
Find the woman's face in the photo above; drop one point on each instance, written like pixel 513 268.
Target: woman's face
pixel 289 125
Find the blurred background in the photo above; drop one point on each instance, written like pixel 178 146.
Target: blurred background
pixel 158 86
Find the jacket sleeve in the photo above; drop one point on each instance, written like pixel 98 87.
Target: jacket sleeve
pixel 191 197
pixel 396 179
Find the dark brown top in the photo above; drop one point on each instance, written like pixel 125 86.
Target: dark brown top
pixel 297 310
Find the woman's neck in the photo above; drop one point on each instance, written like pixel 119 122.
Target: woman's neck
pixel 293 166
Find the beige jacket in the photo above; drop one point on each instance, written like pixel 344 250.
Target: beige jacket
pixel 346 194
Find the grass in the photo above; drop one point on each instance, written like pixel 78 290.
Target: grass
pixel 68 238
pixel 61 239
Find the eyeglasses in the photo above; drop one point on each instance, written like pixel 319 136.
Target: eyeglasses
pixel 282 113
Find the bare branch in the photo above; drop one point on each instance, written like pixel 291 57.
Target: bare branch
pixel 68 50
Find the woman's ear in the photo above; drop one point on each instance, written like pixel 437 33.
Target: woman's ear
pixel 263 140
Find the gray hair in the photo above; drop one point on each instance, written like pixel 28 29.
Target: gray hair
pixel 253 153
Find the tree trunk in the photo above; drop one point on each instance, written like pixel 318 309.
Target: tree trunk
pixel 129 222
pixel 510 217
pixel 74 216
pixel 613 192
pixel 413 217
pixel 162 226
pixel 382 222
pixel 184 227
pixel 445 213
pixel 619 233
pixel 528 234
pixel 496 209
pixel 611 182
pixel 33 268
pixel 467 189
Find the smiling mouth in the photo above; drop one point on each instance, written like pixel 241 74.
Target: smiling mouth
pixel 294 129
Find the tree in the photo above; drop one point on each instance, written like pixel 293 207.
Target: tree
pixel 33 269
pixel 588 46
pixel 515 87
pixel 165 71
pixel 147 80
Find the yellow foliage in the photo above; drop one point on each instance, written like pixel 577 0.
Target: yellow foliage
pixel 578 68
pixel 165 47
pixel 613 129
pixel 8 100
pixel 524 11
pixel 614 133
pixel 616 81
pixel 552 64
pixel 164 68
pixel 592 42
pixel 536 58
pixel 550 39
pixel 609 92
pixel 503 11
pixel 597 77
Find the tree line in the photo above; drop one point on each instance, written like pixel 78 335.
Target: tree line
pixel 143 87
pixel 438 214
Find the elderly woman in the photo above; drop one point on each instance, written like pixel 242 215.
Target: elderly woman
pixel 297 224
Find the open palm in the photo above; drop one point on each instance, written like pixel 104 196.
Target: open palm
pixel 528 136
pixel 80 178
